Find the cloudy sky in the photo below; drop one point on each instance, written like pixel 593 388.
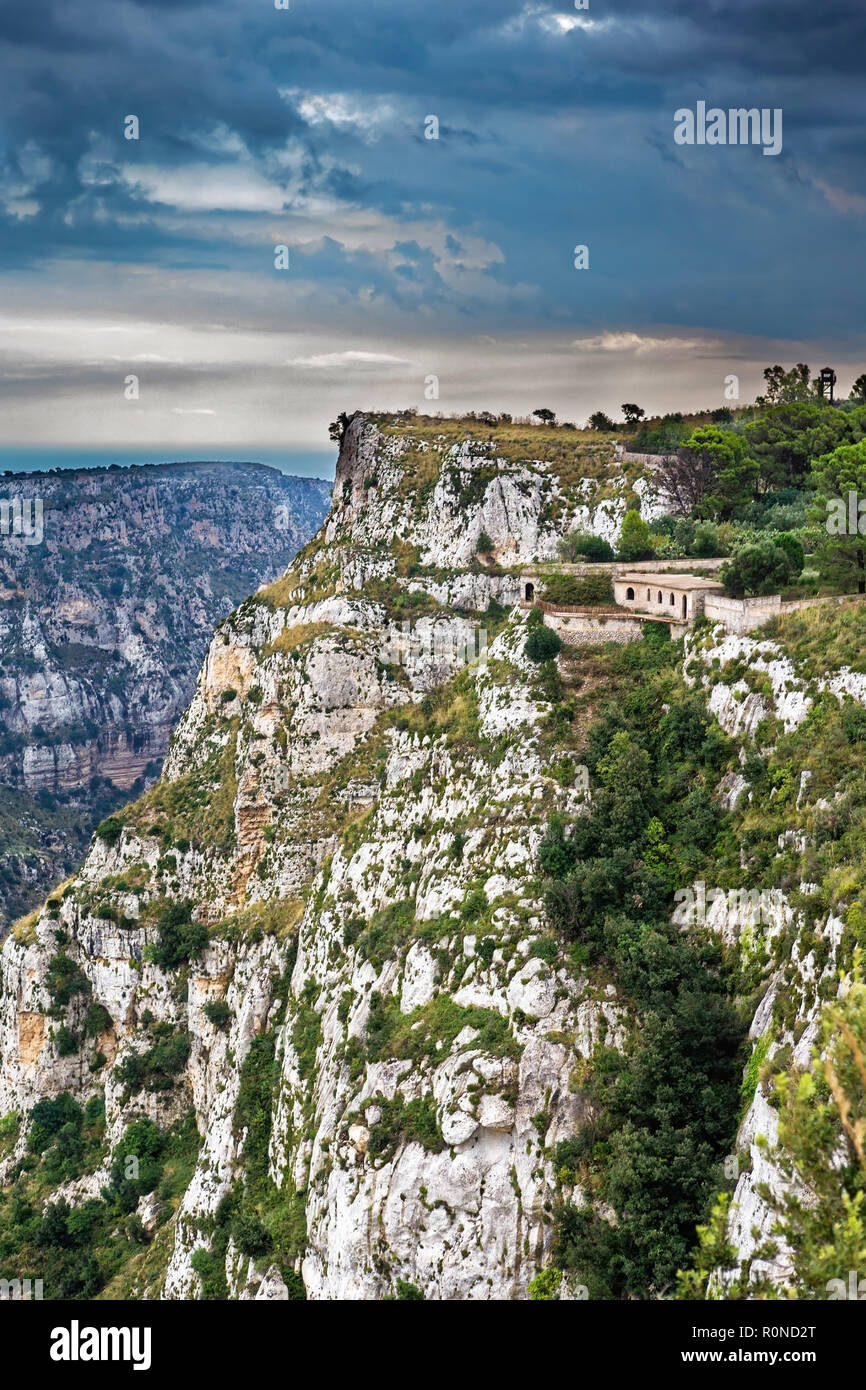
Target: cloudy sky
pixel 412 257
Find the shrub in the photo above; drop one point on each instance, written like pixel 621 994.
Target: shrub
pixel 484 544
pixel 793 548
pixel 249 1235
pixel 569 589
pixel 180 938
pixel 48 1117
pixel 155 1069
pixel 64 979
pixel 545 1286
pixel 762 568
pixel 217 1012
pixel 583 545
pixel 66 1042
pixel 706 541
pixel 407 1293
pixel 475 905
pixel 97 1020
pixel 109 830
pixel 227 696
pixel 542 644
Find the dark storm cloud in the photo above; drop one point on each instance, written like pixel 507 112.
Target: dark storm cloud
pixel 306 126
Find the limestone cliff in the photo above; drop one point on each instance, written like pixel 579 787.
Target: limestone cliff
pixel 108 598
pixel 310 972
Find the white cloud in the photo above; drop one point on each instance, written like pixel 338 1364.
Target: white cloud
pixel 636 343
pixel 351 358
pixel 367 119
pixel 206 187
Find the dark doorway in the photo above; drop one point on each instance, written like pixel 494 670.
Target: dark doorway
pixel 629 593
pixel 530 593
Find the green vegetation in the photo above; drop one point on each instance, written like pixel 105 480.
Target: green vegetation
pixel 583 545
pixel 78 1251
pixel 542 644
pixel 160 1065
pixel 664 1112
pixel 180 938
pixel 635 541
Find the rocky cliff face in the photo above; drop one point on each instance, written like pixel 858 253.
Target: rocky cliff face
pixel 354 812
pixel 321 935
pixel 111 582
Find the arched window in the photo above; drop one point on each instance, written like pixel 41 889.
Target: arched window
pixel 660 596
pixel 530 592
pixel 648 595
pixel 629 593
pixel 673 598
pixel 685 605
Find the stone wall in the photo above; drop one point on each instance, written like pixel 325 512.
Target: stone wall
pixel 581 630
pixel 741 615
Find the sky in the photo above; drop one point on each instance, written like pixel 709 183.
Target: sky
pixel 411 258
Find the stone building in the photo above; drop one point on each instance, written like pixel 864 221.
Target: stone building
pixel 679 597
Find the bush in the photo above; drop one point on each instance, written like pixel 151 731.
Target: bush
pixel 249 1235
pixel 542 644
pixel 180 938
pixel 64 979
pixel 109 830
pixel 583 545
pixel 793 548
pixel 545 1286
pixel 155 1069
pixel 569 589
pixel 706 541
pixel 66 1042
pixel 48 1117
pixel 97 1020
pixel 762 568
pixel 484 544
pixel 217 1012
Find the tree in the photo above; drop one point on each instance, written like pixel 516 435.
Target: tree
pixel 858 390
pixel 547 417
pixel 710 476
pixel 762 568
pixel 785 439
pixel 600 421
pixel 794 546
pixel 633 413
pixel 841 551
pixel 484 544
pixel 782 386
pixel 635 540
pixel 338 427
